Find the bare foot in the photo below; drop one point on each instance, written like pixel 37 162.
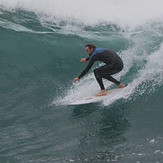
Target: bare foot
pixel 102 93
pixel 121 85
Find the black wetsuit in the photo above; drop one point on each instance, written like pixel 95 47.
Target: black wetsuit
pixel 113 65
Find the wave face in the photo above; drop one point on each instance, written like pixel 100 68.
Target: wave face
pixel 41 44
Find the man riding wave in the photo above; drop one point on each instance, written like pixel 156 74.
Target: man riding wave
pixel 113 65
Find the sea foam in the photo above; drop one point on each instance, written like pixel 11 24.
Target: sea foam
pixel 129 13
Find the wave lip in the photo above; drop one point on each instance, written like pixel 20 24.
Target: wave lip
pixel 123 13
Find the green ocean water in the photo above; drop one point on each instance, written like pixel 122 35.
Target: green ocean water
pixel 40 56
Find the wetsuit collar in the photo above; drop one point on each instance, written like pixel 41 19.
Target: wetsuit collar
pixel 97 50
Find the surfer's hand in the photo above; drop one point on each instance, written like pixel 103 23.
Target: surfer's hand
pixel 83 60
pixel 75 79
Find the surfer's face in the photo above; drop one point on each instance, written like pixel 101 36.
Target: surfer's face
pixel 88 50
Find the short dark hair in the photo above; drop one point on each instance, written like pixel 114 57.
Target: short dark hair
pixel 90 46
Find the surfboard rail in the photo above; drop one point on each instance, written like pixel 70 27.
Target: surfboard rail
pixel 96 99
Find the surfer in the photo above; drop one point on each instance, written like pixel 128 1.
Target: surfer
pixel 113 65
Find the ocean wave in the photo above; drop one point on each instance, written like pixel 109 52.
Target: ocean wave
pixel 65 31
pixel 123 13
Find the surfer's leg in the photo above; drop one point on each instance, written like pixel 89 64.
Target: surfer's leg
pixel 105 72
pixel 118 83
pixel 99 78
pixel 110 78
pixel 108 70
pixel 100 82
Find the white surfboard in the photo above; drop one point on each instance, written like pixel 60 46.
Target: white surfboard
pixel 96 99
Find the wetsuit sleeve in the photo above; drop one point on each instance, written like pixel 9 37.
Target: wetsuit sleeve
pixel 87 58
pixel 87 68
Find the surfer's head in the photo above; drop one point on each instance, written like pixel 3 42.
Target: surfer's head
pixel 89 48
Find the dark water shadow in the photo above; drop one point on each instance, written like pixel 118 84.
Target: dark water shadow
pixel 102 133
